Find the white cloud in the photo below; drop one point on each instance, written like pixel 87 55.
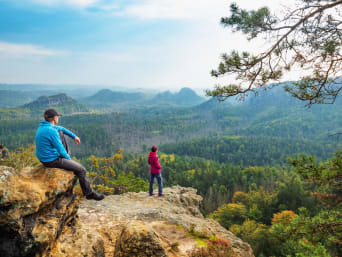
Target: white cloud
pixel 170 9
pixel 21 50
pixel 191 9
pixel 75 3
pixel 110 8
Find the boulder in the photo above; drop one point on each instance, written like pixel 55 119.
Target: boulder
pixel 35 206
pixel 138 240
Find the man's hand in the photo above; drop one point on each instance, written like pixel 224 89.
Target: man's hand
pixel 77 140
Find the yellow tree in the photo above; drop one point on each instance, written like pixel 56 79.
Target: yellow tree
pixel 102 169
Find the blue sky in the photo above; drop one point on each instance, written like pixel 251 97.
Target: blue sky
pixel 161 44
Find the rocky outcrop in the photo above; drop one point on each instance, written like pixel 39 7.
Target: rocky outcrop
pixel 41 216
pixel 36 206
pixel 134 222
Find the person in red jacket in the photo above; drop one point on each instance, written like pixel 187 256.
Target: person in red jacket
pixel 155 171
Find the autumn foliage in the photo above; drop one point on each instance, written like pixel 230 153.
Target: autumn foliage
pixel 283 218
pixel 215 248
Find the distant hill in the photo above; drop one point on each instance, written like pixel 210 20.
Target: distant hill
pixel 277 98
pixel 108 98
pixel 185 97
pixel 274 113
pixel 61 102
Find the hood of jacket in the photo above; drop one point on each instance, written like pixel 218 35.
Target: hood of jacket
pixel 45 123
pixel 152 155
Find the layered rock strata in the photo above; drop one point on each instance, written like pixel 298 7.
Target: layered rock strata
pixel 36 205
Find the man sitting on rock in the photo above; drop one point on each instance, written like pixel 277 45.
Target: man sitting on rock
pixel 52 150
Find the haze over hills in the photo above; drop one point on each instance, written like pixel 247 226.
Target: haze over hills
pixel 36 90
pixel 185 97
pixel 11 98
pixel 15 95
pixel 89 89
pixel 107 95
pixel 63 103
pixel 18 95
pixel 275 113
pixel 107 98
pixel 114 98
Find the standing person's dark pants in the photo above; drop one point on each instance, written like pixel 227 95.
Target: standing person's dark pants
pixel 160 183
pixel 77 168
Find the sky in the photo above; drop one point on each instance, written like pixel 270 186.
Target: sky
pixel 155 44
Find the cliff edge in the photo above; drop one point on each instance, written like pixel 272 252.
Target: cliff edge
pixel 40 216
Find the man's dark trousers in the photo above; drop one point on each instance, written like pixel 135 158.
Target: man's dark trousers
pixel 77 168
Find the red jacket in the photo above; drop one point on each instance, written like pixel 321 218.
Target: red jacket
pixel 153 161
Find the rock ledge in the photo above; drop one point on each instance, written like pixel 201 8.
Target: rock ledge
pixel 41 216
pixel 162 221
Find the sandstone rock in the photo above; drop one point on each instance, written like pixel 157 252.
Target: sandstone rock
pixel 173 221
pixel 35 206
pixel 31 190
pixel 76 241
pixel 138 240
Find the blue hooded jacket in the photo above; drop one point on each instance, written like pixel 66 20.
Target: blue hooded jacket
pixel 48 143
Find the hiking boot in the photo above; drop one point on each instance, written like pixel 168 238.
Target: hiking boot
pixel 152 194
pixel 161 195
pixel 95 196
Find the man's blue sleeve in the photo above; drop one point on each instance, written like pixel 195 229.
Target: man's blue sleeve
pixel 66 132
pixel 57 143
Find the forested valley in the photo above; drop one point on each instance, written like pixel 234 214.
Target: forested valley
pixel 250 161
